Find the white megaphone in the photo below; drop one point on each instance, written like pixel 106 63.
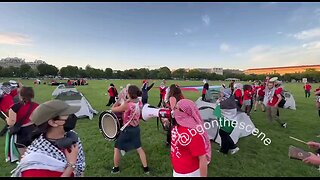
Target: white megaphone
pixel 149 112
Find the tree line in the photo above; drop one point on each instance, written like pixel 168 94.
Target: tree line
pixel 69 71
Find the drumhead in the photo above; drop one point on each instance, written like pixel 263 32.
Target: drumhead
pixel 109 125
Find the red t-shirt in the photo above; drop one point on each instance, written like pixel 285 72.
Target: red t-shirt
pixel 111 93
pixel 307 87
pixel 6 103
pixel 275 97
pixel 261 90
pixel 204 91
pixel 238 95
pixel 162 91
pixel 14 92
pixel 21 112
pixel 186 147
pixel 42 173
pixel 247 94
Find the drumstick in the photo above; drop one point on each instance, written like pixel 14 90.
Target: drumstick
pixel 4 114
pixel 297 140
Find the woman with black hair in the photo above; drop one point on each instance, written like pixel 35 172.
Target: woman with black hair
pixel 56 150
pixel 19 116
pixel 113 93
pixel 204 91
pixel 174 96
pixel 129 138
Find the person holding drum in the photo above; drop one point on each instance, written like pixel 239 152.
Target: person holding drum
pixel 129 138
pixel 190 143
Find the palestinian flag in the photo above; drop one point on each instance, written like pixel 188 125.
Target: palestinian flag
pixel 11 151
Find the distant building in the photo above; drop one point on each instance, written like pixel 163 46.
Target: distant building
pixel 17 62
pixel 282 70
pixel 232 71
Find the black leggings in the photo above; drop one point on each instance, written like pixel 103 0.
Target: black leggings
pixel 160 101
pixel 226 142
pixel 112 100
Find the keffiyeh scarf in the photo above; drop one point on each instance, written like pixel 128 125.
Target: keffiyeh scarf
pixel 42 154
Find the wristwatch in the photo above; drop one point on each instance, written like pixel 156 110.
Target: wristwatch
pixel 73 166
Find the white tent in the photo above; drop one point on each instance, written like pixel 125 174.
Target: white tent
pixel 243 128
pixel 62 88
pixel 75 98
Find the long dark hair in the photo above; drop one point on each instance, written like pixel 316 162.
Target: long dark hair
pixel 175 91
pixel 38 130
pixel 134 92
pixel 27 94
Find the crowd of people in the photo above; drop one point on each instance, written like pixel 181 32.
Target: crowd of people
pixel 48 146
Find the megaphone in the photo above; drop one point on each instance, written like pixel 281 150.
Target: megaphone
pixel 149 112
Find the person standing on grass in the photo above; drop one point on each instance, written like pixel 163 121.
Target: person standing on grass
pixel 6 102
pixel 247 99
pixel 317 94
pixel 129 138
pixel 238 95
pixel 273 98
pixel 174 96
pixel 56 150
pixel 231 86
pixel 162 89
pixel 21 111
pixel 307 88
pixel 113 93
pixel 145 89
pixel 259 97
pixel 190 147
pixel 204 91
pixel 225 122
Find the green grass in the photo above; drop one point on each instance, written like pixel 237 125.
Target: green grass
pixel 253 159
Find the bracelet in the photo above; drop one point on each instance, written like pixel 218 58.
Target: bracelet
pixel 73 166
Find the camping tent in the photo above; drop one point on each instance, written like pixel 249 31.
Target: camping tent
pixel 63 88
pixel 212 124
pixel 74 98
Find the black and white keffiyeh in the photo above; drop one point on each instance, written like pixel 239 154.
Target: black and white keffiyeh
pixel 42 147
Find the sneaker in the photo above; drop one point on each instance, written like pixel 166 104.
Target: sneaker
pixel 146 170
pixel 284 125
pixel 115 170
pixel 235 150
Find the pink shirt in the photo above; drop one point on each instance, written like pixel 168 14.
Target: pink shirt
pixel 129 113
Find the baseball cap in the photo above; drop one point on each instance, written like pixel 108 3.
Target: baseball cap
pixel 51 109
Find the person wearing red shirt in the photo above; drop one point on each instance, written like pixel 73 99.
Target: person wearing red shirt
pixel 6 101
pixel 190 144
pixel 317 94
pixel 247 99
pixel 21 111
pixel 129 139
pixel 238 95
pixel 113 93
pixel 260 96
pixel 56 150
pixel 162 90
pixel 273 99
pixel 174 95
pixel 204 91
pixel 307 88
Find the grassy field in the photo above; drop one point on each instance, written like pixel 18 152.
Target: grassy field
pixel 253 159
